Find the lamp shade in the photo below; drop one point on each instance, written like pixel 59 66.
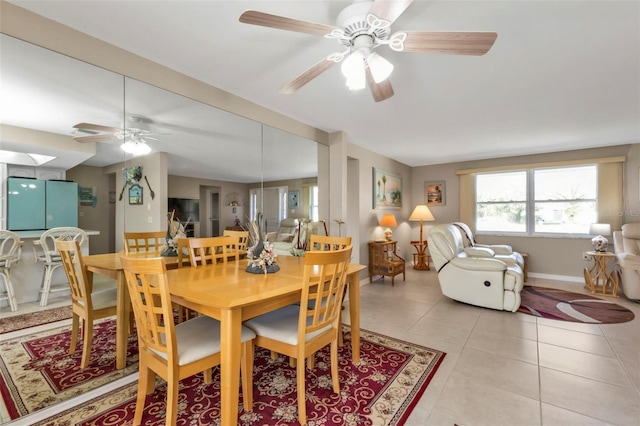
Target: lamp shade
pixel 421 212
pixel 388 220
pixel 136 147
pixel 600 229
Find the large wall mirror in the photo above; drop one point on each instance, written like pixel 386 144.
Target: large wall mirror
pixel 199 152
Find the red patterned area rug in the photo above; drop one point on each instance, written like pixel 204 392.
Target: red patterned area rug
pixel 381 390
pixel 20 322
pixel 568 306
pixel 36 370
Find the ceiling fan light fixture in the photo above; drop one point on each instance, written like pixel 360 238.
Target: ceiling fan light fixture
pixel 136 147
pixel 353 68
pixel 380 68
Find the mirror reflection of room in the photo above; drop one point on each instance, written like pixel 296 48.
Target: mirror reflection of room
pixel 203 167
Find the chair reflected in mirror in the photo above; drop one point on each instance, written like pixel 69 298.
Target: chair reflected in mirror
pixel 86 305
pixel 10 253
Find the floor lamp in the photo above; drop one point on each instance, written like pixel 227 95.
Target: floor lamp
pixel 421 213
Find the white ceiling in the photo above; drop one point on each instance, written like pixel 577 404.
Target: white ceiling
pixel 562 74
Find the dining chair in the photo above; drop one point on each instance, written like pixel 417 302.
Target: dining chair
pixel 329 243
pixel 212 250
pixel 144 241
pixel 174 351
pixel 183 252
pixel 85 304
pixel 44 250
pixel 10 252
pixel 300 331
pixel 243 241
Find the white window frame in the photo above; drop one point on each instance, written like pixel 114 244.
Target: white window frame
pixel 531 205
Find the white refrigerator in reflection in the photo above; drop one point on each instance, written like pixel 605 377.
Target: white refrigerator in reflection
pixel 34 204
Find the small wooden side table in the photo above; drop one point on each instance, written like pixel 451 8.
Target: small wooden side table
pixel 597 279
pixel 383 260
pixel 421 258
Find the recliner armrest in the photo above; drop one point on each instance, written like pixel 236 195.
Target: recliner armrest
pixel 475 251
pixel 628 260
pixel 497 248
pixel 478 263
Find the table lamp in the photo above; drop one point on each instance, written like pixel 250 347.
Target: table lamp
pixel 421 213
pixel 600 242
pixel 388 220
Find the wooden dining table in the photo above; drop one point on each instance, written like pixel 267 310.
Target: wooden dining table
pixel 230 294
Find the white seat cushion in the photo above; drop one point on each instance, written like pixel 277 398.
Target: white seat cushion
pixel 200 337
pixel 104 299
pixel 281 325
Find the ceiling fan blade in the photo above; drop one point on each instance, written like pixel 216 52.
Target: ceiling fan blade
pixel 290 24
pixel 452 42
pixel 306 76
pixel 94 138
pixel 96 127
pixel 389 10
pixel 380 91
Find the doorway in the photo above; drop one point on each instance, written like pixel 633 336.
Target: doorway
pixel 213 226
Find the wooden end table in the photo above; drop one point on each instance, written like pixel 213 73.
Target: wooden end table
pixel 597 279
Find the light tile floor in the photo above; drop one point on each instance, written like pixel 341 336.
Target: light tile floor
pixel 504 368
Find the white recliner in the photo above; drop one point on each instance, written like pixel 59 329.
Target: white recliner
pixel 499 251
pixel 482 281
pixel 293 246
pixel 626 244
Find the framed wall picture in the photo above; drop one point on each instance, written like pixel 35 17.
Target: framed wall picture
pixel 294 199
pixel 135 194
pixel 435 193
pixel 387 190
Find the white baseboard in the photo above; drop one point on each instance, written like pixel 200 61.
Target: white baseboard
pixel 568 278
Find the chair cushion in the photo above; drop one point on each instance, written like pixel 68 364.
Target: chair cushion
pixel 281 325
pixel 199 337
pixel 104 298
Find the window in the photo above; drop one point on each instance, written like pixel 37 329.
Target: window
pixel 560 200
pixel 314 214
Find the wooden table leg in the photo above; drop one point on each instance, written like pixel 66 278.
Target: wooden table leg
pixel 230 333
pixel 354 314
pixel 123 313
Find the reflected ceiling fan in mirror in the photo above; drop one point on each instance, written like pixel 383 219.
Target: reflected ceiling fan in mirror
pixel 135 135
pixel 361 28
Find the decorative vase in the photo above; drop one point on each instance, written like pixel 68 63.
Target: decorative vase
pixel 599 243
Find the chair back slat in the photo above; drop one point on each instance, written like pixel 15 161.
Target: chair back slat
pixel 144 241
pixel 212 250
pixel 328 243
pixel 151 302
pixel 243 240
pixel 73 263
pixel 325 275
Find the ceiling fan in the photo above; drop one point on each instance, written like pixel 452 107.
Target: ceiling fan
pixel 361 28
pixel 135 135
